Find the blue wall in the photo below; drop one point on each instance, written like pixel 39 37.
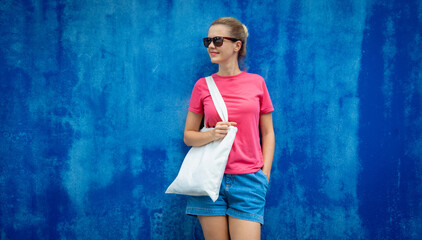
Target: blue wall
pixel 94 96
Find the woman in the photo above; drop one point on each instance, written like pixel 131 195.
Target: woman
pixel 239 211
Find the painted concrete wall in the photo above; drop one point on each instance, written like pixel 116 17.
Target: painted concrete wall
pixel 94 95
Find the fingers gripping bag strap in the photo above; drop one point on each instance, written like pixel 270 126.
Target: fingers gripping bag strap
pixel 217 99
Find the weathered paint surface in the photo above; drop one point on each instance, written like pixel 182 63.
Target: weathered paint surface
pixel 94 96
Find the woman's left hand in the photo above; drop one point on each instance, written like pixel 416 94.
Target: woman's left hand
pixel 267 173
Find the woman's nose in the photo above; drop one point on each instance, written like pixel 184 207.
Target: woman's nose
pixel 211 45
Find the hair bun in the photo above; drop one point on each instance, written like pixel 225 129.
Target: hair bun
pixel 246 30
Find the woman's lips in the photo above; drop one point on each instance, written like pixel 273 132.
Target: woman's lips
pixel 213 53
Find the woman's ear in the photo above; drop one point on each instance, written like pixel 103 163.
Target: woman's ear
pixel 238 46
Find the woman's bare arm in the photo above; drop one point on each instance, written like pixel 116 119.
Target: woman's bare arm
pixel 268 141
pixel 193 137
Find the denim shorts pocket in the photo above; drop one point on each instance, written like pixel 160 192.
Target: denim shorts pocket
pixel 262 174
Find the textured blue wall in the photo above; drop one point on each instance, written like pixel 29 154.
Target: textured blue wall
pixel 94 95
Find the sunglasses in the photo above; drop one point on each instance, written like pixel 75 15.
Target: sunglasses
pixel 218 41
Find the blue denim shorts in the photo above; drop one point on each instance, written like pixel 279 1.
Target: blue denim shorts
pixel 241 196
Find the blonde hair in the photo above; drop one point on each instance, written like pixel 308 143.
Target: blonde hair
pixel 237 30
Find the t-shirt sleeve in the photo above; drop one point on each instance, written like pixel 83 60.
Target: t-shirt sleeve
pixel 265 101
pixel 196 102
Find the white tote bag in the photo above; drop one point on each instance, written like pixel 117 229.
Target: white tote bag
pixel 203 168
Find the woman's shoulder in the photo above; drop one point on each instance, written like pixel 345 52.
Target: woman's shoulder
pixel 253 76
pixel 200 83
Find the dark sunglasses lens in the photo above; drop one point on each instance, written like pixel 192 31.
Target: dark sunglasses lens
pixel 207 41
pixel 218 41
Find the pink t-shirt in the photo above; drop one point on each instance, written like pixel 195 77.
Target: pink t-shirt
pixel 246 97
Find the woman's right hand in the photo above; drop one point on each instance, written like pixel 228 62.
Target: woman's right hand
pixel 221 129
pixel 194 138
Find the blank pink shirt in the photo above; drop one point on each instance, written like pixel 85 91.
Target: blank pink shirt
pixel 246 97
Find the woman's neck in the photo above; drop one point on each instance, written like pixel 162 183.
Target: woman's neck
pixel 229 69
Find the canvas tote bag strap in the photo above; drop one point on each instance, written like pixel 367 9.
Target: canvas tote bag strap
pixel 217 99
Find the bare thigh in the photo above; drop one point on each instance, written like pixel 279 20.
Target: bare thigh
pixel 214 227
pixel 243 229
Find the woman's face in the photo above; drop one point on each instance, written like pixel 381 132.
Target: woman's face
pixel 228 51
